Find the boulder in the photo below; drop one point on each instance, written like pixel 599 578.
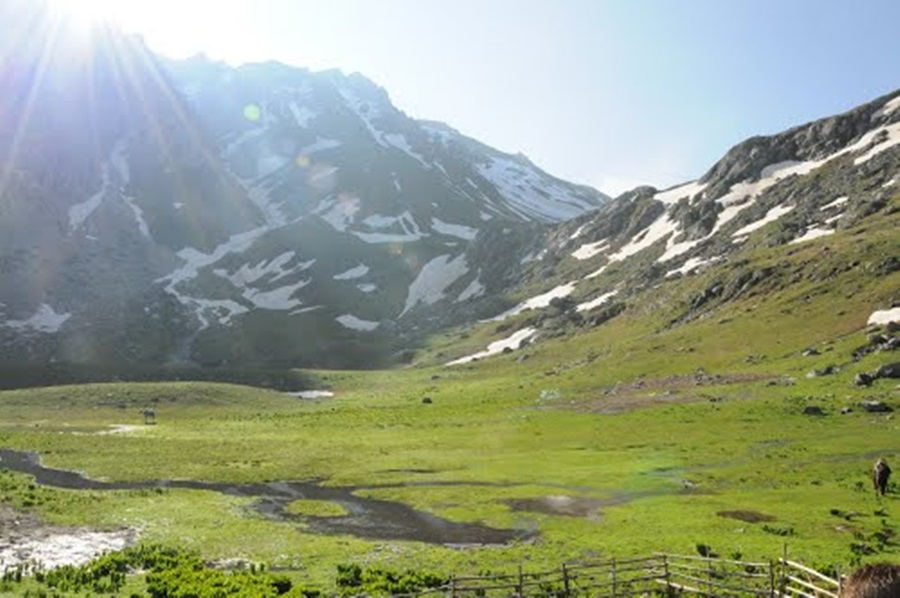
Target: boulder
pixel 875 406
pixel 888 370
pixel 811 352
pixel 863 379
pixel 427 401
pixel 813 410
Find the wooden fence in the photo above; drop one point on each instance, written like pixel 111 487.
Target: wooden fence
pixel 657 575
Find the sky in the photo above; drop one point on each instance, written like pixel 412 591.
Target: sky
pixel 610 93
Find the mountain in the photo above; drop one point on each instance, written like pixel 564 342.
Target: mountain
pixel 807 219
pixel 156 211
pixel 186 212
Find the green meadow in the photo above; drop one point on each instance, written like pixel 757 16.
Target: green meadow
pixel 664 428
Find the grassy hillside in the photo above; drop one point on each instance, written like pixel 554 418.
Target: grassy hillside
pixel 680 421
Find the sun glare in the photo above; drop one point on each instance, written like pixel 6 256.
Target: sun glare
pixel 89 11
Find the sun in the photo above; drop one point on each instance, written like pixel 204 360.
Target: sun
pixel 90 11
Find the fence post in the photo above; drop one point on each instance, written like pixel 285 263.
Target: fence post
pixel 613 570
pixel 521 587
pixel 453 593
pixel 666 574
pixel 709 576
pixel 771 578
pixel 565 573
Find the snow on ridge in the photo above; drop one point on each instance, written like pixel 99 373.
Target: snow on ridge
pixel 889 107
pixel 524 189
pixel 367 287
pixel 812 233
pixel 689 190
pixel 884 316
pixel 512 342
pixel 354 323
pixel 434 279
pixel 460 231
pixel 398 140
pixel 589 250
pixel 771 216
pixel 355 272
pixel 596 302
pixel 538 301
pixel 356 104
pixel 892 139
pixel 45 319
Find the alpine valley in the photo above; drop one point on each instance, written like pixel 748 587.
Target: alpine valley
pixel 190 213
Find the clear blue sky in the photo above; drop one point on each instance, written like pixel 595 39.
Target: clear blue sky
pixel 606 92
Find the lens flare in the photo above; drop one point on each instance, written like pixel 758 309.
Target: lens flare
pixel 252 112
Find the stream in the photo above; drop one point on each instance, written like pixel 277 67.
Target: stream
pixel 368 518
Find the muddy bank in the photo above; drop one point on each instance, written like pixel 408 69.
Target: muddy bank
pixel 368 518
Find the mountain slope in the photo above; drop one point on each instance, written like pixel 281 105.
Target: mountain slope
pixel 732 237
pixel 192 212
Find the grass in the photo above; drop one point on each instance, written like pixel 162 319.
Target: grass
pixel 665 424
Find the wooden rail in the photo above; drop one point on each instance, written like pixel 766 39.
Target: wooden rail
pixel 656 575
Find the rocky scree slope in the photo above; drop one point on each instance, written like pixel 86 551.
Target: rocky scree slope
pixel 159 211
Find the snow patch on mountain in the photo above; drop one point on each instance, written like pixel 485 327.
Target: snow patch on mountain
pixel 80 212
pixel 367 287
pixel 589 250
pixel 538 301
pixel 884 316
pixel 398 140
pixel 351 321
pixel 660 227
pixel 475 289
pixel 338 213
pixel 221 310
pixel 248 274
pixel 837 202
pixel 530 195
pixel 511 342
pixel 691 265
pixel 138 215
pixel 355 272
pixel 771 216
pixel 302 114
pixel 434 279
pixel 812 233
pixel 276 299
pixel 596 302
pixel 884 138
pixel 45 319
pixel 673 195
pixel 460 231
